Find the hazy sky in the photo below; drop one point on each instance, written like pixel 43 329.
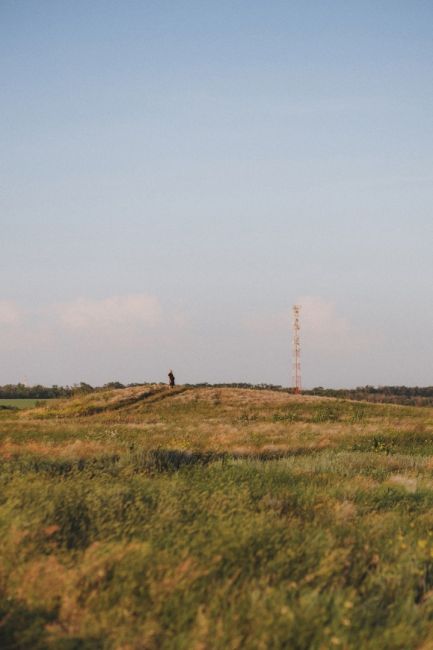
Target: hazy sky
pixel 175 175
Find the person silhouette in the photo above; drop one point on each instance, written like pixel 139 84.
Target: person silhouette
pixel 171 379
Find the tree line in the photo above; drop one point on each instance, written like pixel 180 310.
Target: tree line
pixel 21 391
pixel 409 395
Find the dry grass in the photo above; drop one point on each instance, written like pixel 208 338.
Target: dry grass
pixel 216 519
pixel 73 450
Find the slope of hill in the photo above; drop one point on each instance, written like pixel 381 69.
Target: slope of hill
pixel 216 518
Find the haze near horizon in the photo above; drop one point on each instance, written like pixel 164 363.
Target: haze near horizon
pixel 176 175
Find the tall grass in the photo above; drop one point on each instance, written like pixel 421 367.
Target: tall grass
pixel 189 525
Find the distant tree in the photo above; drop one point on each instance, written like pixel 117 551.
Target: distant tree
pixel 83 388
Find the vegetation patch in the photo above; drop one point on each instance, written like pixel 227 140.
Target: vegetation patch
pixel 206 518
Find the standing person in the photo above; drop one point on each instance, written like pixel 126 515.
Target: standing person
pixel 171 379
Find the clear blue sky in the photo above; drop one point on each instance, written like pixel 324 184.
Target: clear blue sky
pixel 175 175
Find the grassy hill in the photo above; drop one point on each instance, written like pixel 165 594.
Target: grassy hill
pixel 204 518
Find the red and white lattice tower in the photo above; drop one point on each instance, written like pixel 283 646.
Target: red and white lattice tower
pixel 296 358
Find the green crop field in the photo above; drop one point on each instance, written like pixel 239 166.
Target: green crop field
pixel 145 519
pixel 20 403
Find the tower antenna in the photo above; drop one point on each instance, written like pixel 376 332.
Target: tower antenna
pixel 296 358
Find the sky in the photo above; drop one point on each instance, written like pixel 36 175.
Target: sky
pixel 175 175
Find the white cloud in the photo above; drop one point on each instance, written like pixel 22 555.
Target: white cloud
pixel 320 317
pixel 324 328
pixel 113 312
pixel 10 314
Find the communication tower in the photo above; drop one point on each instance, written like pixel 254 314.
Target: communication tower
pixel 296 358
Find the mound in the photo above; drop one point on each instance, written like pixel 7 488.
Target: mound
pixel 100 401
pixel 139 398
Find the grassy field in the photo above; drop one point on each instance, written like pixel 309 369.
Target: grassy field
pixel 145 519
pixel 19 403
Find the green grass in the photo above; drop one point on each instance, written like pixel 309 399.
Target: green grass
pixel 216 520
pixel 21 403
